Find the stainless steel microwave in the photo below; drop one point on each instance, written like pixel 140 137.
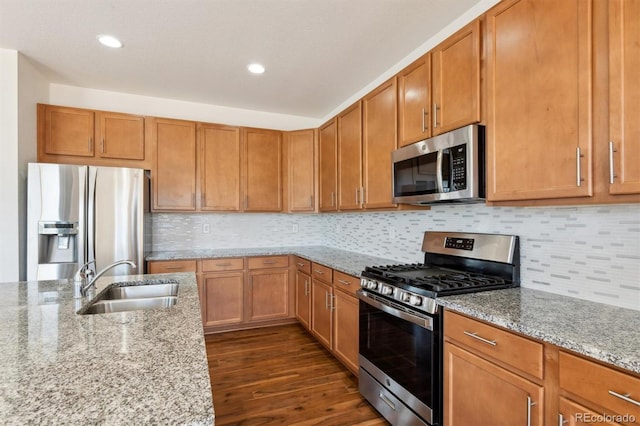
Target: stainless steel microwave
pixel 446 168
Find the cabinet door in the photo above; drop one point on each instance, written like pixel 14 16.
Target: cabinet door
pixel 219 149
pixel 321 314
pixel 379 140
pixel 479 392
pixel 539 81
pixel 68 131
pixel 345 330
pixel 120 136
pixel 223 298
pixel 301 161
pixel 263 170
pixel 174 177
pixel 303 299
pixel 350 158
pixel 269 294
pixel 414 100
pixel 328 151
pixel 456 80
pixel 624 97
pixel 572 414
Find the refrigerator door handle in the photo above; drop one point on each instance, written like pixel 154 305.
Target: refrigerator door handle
pixel 91 216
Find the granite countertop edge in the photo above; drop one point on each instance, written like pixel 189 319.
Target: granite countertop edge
pixel 564 321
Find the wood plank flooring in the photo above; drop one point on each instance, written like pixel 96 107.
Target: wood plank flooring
pixel 282 375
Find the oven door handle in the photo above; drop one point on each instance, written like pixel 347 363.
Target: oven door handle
pixel 426 323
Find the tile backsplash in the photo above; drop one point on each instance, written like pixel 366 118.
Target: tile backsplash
pixel 588 252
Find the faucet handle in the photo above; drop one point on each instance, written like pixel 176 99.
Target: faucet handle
pixel 83 272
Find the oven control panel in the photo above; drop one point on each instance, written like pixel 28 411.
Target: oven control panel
pixel 403 296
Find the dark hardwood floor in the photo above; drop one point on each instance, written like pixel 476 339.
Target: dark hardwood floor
pixel 282 375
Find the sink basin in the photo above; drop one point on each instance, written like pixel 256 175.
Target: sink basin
pixel 135 295
pixel 123 305
pixel 140 291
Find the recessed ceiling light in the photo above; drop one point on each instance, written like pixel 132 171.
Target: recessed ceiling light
pixel 110 41
pixel 255 68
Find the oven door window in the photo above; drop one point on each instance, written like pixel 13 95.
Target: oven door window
pixel 404 351
pixel 416 176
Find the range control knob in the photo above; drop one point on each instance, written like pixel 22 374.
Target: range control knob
pixel 415 300
pixel 363 282
pixel 406 297
pixel 386 290
pixel 372 285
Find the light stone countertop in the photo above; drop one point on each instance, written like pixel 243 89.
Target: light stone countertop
pixel 137 367
pixel 604 332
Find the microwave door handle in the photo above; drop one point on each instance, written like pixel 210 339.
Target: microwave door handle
pixel 439 171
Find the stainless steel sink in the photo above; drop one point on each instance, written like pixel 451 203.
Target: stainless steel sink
pixel 123 305
pixel 140 291
pixel 132 296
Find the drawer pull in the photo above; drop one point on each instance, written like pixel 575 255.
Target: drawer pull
pixel 269 262
pixel 173 267
pixel 318 271
pixel 387 401
pixel 344 282
pixel 224 264
pixel 625 397
pixel 475 336
pixel 300 264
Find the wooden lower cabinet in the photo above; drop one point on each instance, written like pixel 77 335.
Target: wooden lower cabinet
pixel 268 295
pixel 345 329
pixel 303 298
pixel 223 298
pixel 573 414
pixel 321 312
pixel 478 392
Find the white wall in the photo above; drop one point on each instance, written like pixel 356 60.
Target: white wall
pixel 33 88
pixel 170 108
pixel 9 234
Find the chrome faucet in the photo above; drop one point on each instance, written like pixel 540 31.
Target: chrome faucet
pixel 84 278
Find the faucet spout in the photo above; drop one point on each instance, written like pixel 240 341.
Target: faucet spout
pixel 93 279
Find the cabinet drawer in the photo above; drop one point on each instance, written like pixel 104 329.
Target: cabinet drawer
pixel 321 272
pixel 519 352
pixel 303 265
pixel 162 267
pixel 230 264
pixel 598 384
pixel 263 262
pixel 346 282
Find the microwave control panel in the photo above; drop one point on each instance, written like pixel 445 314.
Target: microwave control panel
pixel 458 167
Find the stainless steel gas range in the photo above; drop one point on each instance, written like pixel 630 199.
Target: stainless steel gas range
pixel 401 326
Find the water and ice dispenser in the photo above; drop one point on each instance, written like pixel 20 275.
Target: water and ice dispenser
pixel 57 242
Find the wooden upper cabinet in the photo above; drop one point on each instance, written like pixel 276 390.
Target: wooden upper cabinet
pixel 68 131
pixel 539 83
pixel 624 97
pixel 350 158
pixel 219 154
pixel 174 174
pixel 83 136
pixel 301 171
pixel 263 170
pixel 380 109
pixel 456 80
pixel 328 173
pixel 120 136
pixel 414 101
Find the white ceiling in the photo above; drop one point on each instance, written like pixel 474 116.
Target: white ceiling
pixel 317 53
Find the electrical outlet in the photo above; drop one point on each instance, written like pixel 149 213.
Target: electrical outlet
pixel 295 228
pixel 206 228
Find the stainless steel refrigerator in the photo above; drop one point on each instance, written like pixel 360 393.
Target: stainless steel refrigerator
pixel 81 213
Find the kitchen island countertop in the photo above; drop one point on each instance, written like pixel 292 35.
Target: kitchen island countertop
pixel 137 367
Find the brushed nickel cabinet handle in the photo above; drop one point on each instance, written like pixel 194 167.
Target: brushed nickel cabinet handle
pixel 625 397
pixel 435 115
pixel 333 305
pixel 612 175
pixel 344 282
pixel 300 264
pixel 561 419
pixel 102 146
pixel 318 271
pixel 224 264
pixel 326 300
pixel 579 156
pixel 475 336
pixel 530 404
pixel 173 267
pixel 306 287
pixel 424 113
pixel 269 262
pixel 357 190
